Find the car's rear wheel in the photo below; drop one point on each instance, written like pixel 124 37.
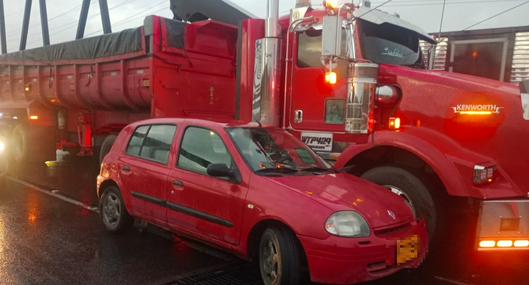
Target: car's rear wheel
pixel 279 257
pixel 114 215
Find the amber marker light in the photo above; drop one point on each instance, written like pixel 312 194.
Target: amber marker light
pixel 504 243
pixel 487 244
pixel 331 77
pixel 331 4
pixel 521 243
pixel 476 113
pixel 394 123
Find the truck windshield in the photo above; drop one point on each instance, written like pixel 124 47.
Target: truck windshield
pixel 275 151
pixel 389 44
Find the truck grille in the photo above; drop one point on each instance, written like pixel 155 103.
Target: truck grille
pixel 384 232
pixel 520 59
pixel 441 52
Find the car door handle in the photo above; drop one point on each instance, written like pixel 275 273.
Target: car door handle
pixel 126 170
pixel 178 184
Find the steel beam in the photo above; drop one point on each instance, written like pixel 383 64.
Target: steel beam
pixel 82 19
pixel 105 16
pixel 25 25
pixel 44 23
pixel 3 28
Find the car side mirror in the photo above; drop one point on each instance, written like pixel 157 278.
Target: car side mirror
pixel 221 170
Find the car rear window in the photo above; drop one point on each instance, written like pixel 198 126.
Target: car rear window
pixel 152 142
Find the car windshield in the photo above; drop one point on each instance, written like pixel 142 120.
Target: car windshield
pixel 275 151
pixel 389 44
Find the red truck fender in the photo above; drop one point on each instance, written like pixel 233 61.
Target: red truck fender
pixel 451 163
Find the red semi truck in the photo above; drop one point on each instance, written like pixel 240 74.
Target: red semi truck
pixel 350 81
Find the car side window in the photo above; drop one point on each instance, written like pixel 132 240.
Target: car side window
pixel 152 144
pixel 200 148
pixel 136 141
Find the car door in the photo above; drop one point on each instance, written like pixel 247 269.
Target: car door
pixel 208 207
pixel 145 169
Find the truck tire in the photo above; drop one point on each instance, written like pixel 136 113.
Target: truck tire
pixel 406 184
pixel 279 257
pixel 114 214
pixel 106 146
pixel 18 144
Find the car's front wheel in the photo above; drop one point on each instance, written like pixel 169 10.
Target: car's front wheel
pixel 279 257
pixel 114 215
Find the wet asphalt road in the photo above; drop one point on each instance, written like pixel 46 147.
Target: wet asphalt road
pixel 51 234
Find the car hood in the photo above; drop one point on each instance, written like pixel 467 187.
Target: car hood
pixel 342 192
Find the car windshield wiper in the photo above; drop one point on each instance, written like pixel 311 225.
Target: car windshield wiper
pixel 317 169
pixel 276 170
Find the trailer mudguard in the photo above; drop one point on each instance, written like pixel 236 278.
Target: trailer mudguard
pixel 452 163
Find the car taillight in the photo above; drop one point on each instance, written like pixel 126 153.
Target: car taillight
pixel 484 174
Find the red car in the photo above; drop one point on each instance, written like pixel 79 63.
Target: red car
pixel 258 193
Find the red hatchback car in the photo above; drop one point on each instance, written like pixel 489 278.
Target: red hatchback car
pixel 258 193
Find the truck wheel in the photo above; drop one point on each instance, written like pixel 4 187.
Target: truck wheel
pixel 114 215
pixel 404 183
pixel 18 144
pixel 107 144
pixel 279 257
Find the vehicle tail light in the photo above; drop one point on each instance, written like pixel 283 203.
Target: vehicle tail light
pixel 484 174
pixel 33 117
pixel 331 78
pixel 394 123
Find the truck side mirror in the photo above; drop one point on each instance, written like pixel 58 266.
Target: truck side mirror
pixel 332 36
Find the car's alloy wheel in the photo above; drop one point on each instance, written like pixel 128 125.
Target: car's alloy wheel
pixel 270 254
pixel 280 257
pixel 113 212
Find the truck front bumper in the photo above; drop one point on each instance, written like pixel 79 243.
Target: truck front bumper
pixel 338 260
pixel 503 225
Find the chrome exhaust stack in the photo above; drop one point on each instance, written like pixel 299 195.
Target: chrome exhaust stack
pixel 266 91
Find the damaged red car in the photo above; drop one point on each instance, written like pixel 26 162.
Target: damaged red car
pixel 261 194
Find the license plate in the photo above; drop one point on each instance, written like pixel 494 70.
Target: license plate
pixel 407 249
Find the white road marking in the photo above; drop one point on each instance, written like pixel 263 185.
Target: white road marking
pixel 55 194
pixel 450 281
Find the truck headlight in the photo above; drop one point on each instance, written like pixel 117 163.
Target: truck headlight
pixel 347 224
pixel 2 146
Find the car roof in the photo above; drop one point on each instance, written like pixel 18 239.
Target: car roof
pixel 199 122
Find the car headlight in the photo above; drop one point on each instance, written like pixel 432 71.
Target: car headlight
pixel 347 224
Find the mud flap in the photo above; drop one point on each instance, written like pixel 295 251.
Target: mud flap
pixel 506 221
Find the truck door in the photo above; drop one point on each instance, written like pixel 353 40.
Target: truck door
pixel 315 104
pixel 481 57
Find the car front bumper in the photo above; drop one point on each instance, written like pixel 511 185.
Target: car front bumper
pixel 340 260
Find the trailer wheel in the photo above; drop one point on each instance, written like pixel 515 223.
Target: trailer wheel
pixel 279 257
pixel 18 144
pixel 406 184
pixel 107 144
pixel 114 214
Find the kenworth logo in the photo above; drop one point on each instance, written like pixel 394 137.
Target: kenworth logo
pixel 470 109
